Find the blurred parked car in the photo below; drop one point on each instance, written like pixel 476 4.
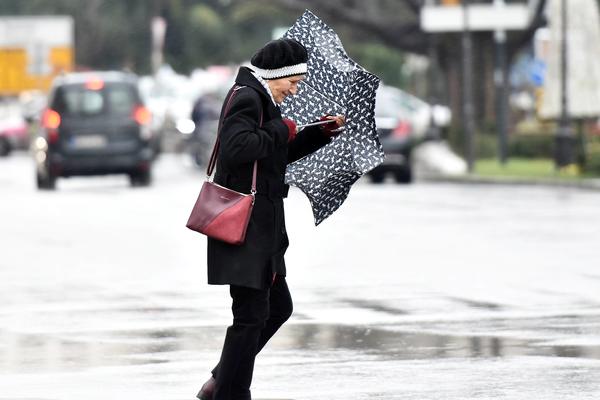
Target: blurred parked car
pixel 14 132
pixel 403 121
pixel 95 124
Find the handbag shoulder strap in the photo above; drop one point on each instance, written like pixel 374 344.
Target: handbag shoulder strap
pixel 213 158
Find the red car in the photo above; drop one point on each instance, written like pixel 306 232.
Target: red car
pixel 13 134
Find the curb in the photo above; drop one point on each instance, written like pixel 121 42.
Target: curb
pixel 585 184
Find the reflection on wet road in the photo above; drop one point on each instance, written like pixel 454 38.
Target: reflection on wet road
pixel 38 349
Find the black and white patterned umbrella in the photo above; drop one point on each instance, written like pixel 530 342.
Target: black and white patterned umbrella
pixel 334 84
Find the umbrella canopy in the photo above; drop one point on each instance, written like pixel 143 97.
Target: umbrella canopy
pixel 334 84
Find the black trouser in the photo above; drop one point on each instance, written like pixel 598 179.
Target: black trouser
pixel 257 315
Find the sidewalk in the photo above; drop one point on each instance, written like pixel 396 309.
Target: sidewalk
pixel 583 183
pixel 437 162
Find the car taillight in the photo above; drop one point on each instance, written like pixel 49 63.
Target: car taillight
pixel 51 121
pixel 141 115
pixel 402 129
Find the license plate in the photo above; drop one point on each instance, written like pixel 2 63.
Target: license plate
pixel 89 142
pixel 394 159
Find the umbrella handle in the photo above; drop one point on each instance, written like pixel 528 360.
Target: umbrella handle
pixel 315 123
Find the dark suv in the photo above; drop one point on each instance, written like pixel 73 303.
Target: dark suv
pixel 95 124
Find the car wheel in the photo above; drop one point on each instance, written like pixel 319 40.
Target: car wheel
pixel 403 175
pixel 46 182
pixel 377 176
pixel 5 147
pixel 140 179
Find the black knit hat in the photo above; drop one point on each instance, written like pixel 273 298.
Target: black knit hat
pixel 280 58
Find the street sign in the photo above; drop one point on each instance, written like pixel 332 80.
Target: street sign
pixel 481 17
pixel 537 72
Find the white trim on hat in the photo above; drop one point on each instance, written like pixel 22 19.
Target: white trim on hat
pixel 290 70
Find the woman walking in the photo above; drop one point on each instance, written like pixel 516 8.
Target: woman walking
pixel 252 129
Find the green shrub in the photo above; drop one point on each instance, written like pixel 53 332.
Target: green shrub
pixel 486 145
pixel 539 145
pixel 592 157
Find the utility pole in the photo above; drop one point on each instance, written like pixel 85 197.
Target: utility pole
pixel 434 131
pixel 500 83
pixel 564 137
pixel 467 83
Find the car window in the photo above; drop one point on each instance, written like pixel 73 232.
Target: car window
pixel 391 102
pixel 387 105
pixel 121 99
pixel 77 100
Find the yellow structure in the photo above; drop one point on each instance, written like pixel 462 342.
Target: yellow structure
pixel 33 50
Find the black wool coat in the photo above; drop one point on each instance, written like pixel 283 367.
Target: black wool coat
pixel 244 140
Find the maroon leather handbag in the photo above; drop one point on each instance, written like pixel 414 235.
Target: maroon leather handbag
pixel 221 213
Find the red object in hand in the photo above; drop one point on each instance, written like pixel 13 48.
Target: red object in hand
pixel 292 129
pixel 328 129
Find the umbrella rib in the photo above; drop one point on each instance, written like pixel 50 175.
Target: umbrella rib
pixel 327 97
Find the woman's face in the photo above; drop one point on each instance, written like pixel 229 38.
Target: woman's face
pixel 284 87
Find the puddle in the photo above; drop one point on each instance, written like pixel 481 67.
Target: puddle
pixel 394 344
pixel 52 352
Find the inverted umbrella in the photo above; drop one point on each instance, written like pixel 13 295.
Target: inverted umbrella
pixel 334 84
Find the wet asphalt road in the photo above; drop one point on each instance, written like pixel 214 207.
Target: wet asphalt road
pixel 429 291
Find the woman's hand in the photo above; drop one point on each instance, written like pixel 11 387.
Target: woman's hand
pixel 335 127
pixel 292 129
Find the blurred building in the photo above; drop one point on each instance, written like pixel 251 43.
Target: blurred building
pixel 583 52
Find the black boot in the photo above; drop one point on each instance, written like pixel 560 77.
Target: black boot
pixel 206 393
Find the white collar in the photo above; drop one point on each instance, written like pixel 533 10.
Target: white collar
pixel 266 86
